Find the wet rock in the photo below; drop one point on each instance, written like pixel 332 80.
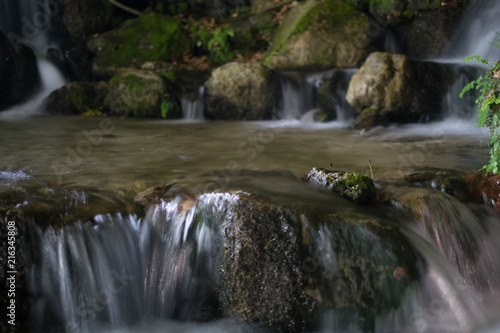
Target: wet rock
pixel 400 89
pixel 353 186
pixel 485 187
pixel 443 180
pixel 318 35
pixel 151 37
pixel 83 18
pixel 18 72
pixel 77 60
pixel 260 280
pixel 141 93
pixel 369 118
pixel 447 223
pixel 428 35
pixel 330 95
pixel 372 266
pixel 241 91
pixel 76 98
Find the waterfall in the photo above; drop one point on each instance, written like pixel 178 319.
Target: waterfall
pixel 125 270
pixel 193 108
pixel 478 28
pixel 298 95
pixel 29 23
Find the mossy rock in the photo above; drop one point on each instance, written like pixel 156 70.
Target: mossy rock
pixel 141 93
pixel 368 119
pixel 318 35
pixel 353 186
pixel 241 91
pixel 151 37
pixel 372 267
pixel 76 98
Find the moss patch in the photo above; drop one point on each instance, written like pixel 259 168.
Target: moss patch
pixel 151 37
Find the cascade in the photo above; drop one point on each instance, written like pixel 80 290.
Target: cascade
pixel 192 109
pixel 298 95
pixel 476 31
pixel 29 23
pixel 126 272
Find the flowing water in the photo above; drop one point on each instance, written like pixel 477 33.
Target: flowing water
pixel 109 271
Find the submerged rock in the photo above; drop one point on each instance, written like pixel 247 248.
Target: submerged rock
pixel 141 93
pixel 76 98
pixel 241 91
pixel 18 72
pixel 400 89
pixel 320 35
pixel 151 37
pixel 353 186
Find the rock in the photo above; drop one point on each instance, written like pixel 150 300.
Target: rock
pixel 141 93
pixel 485 187
pixel 19 69
pixel 330 95
pixel 151 37
pixel 372 267
pixel 353 186
pixel 76 98
pixel 400 89
pixel 424 4
pixel 387 7
pixel 447 222
pixel 83 18
pixel 318 35
pixel 368 119
pixel 428 36
pixel 241 91
pixel 260 279
pixel 77 60
pixel 446 181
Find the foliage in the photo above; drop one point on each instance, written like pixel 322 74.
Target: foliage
pixel 488 107
pixel 219 45
pixel 166 106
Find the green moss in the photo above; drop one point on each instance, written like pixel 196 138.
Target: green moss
pixel 336 16
pixel 151 37
pixel 357 179
pixel 78 99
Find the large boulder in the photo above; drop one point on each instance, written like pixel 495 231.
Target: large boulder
pixel 18 72
pixel 141 93
pixel 76 98
pixel 400 89
pixel 319 35
pixel 83 18
pixel 240 91
pixel 151 37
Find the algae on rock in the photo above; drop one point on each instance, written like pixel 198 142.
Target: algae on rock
pixel 151 37
pixel 319 35
pixel 353 186
pixel 139 93
pixel 241 91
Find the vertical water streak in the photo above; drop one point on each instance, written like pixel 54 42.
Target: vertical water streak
pixel 194 109
pixel 298 95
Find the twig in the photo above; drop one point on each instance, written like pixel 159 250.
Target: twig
pixel 125 8
pixel 371 170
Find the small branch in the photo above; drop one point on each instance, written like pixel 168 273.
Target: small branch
pixel 371 170
pixel 125 8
